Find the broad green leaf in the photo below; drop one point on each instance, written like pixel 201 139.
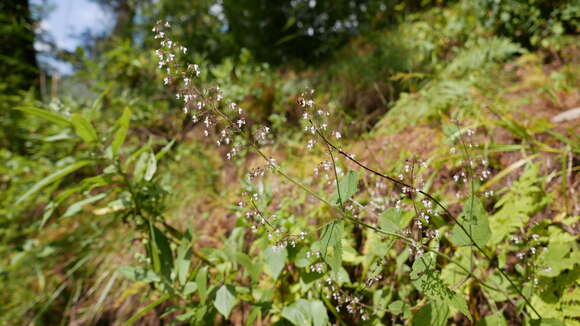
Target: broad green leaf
pixel 301 260
pixel 474 219
pixel 151 168
pixel 121 133
pixel 246 261
pixel 52 178
pixel 396 307
pixel 275 260
pixel 201 281
pixel 77 207
pixel 457 301
pixel 298 313
pixel 433 314
pixel 138 274
pixel 390 220
pixel 46 115
pixel 225 301
pixel 332 238
pixel 348 187
pixel 160 252
pixel 183 261
pixel 84 128
pixel 319 314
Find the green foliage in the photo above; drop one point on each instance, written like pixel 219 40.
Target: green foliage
pixel 524 198
pixel 114 210
pixel 532 22
pixel 474 218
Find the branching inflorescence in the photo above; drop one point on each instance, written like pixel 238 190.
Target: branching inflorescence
pixel 228 124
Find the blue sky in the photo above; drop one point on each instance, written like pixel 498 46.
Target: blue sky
pixel 68 19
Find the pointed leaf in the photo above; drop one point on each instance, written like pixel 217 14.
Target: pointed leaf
pixel 151 168
pixel 183 261
pixel 474 219
pixel 45 114
pixel 298 313
pixel 201 280
pixel 275 260
pixel 78 206
pixel 160 252
pixel 84 128
pixel 225 301
pixel 121 133
pixel 332 238
pixel 348 186
pixel 52 178
pixel 319 314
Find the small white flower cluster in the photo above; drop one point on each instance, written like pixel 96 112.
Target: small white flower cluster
pixel 201 104
pixel 315 119
pixel 352 303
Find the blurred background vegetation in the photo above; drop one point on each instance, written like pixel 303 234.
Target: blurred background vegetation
pixel 391 72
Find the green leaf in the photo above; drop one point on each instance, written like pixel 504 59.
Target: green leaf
pixel 164 150
pixel 160 252
pixel 396 307
pixel 201 281
pixel 84 128
pixel 46 115
pixel 121 133
pixel 145 310
pixel 319 314
pixel 348 187
pixel 183 260
pixel 434 314
pixel 151 168
pixel 427 278
pixel 275 260
pixel 77 207
pixel 253 315
pixel 524 198
pixel 390 220
pixel 225 301
pixel 474 219
pixel 332 238
pixel 298 313
pixel 496 319
pixel 253 269
pixel 457 301
pixel 52 178
pixel 547 322
pixel 189 288
pixel 138 274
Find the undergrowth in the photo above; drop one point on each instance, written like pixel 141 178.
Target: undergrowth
pixel 255 204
